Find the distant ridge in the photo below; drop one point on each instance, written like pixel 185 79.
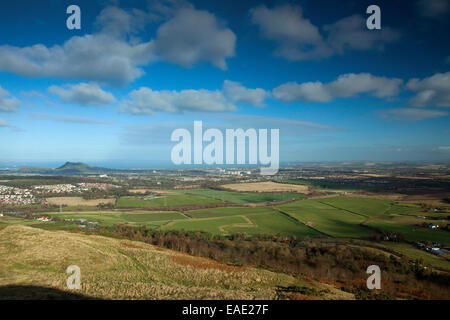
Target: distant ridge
pixel 68 168
pixel 69 164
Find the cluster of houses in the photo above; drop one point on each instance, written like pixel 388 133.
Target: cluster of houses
pixel 84 224
pixel 86 186
pixel 434 248
pixel 44 219
pixel 69 188
pixel 55 188
pixel 25 196
pixel 16 196
pixel 234 172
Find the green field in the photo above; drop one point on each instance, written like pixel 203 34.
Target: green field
pixel 177 200
pixel 211 225
pixel 260 220
pixel 413 253
pixel 105 218
pixel 245 197
pixel 411 228
pixel 228 211
pixel 366 206
pixel 404 209
pixel 329 220
pixel 275 223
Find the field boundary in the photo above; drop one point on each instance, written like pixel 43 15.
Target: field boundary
pixel 299 221
pixel 335 207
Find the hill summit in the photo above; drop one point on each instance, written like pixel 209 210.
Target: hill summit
pixel 74 165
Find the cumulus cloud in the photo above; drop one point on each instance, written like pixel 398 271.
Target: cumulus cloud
pixel 347 85
pixel 431 91
pixel 309 91
pixel 83 93
pixel 433 8
pixel 351 33
pixel 67 119
pixel 110 55
pixel 195 35
pixel 147 101
pixel 99 57
pixel 299 39
pixel 236 92
pixel 8 103
pixel 411 114
pixel 117 22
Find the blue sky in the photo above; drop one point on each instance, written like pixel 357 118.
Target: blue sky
pixel 112 92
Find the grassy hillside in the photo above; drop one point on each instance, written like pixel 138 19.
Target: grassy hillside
pixel 122 269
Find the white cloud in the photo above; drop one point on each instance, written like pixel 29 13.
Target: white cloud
pixel 236 92
pixel 147 101
pixel 347 85
pixel 411 114
pixel 192 36
pixel 309 91
pixel 99 57
pixel 431 91
pixel 111 55
pixel 433 8
pixel 8 103
pixel 351 84
pixel 444 148
pixel 299 39
pixel 119 23
pixel 83 93
pixel 4 123
pixel 351 33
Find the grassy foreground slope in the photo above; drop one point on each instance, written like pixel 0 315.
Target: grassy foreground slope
pixel 122 269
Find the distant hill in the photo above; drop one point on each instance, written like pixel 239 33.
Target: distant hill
pixel 69 168
pixel 74 165
pixel 80 168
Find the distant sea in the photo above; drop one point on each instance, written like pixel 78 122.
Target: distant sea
pixel 119 164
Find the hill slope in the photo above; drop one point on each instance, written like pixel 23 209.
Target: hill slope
pixel 122 269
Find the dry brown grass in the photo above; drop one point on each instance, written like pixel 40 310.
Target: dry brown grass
pixel 139 191
pixel 267 186
pixel 78 201
pixel 202 263
pixel 118 269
